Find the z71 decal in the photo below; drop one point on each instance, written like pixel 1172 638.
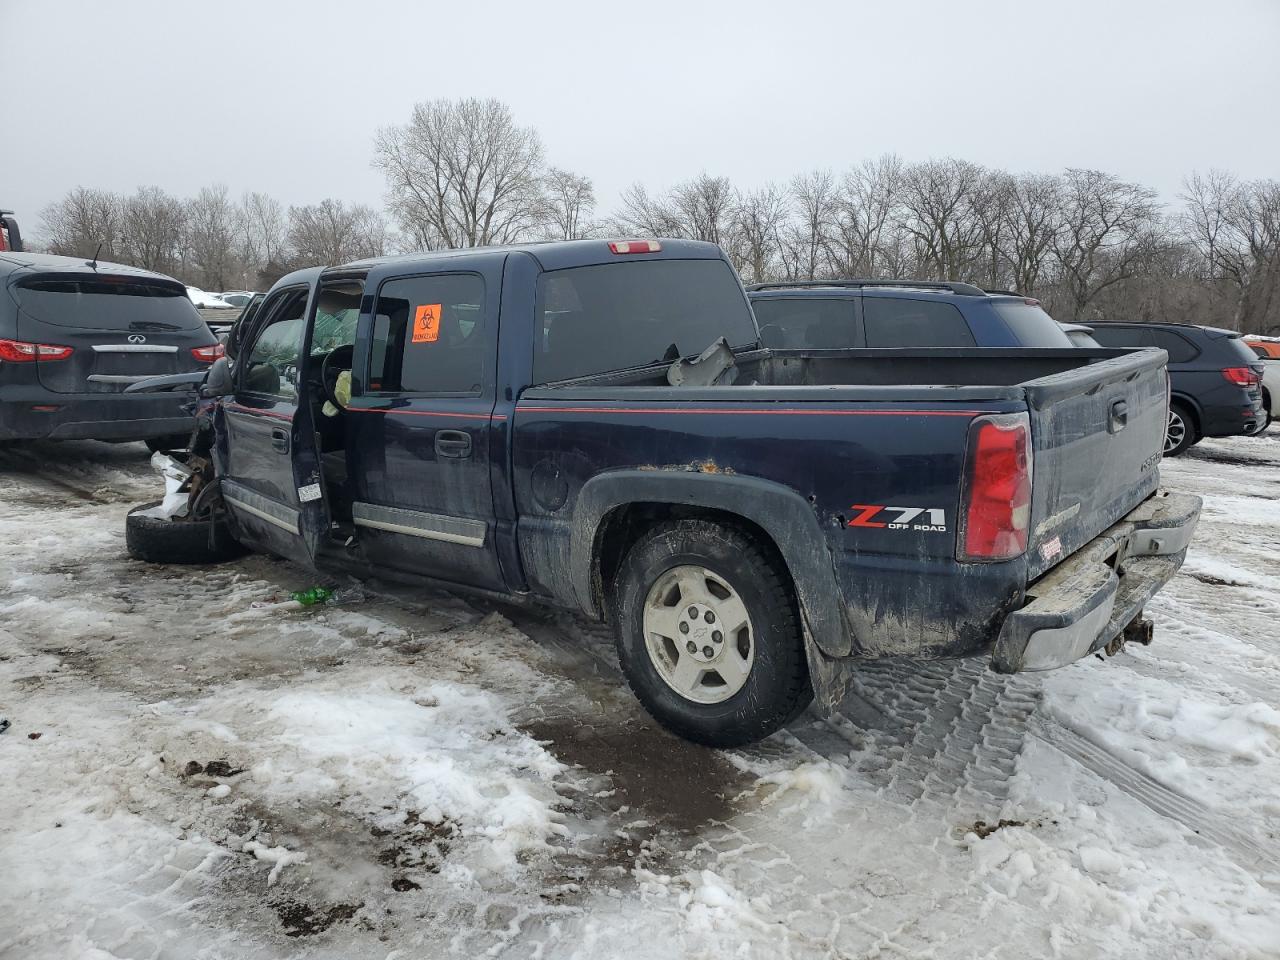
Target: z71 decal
pixel 899 518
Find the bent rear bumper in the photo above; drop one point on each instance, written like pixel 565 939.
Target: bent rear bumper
pixel 1085 601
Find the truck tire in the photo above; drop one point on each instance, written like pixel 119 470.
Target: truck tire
pixel 708 633
pixel 158 540
pixel 1181 433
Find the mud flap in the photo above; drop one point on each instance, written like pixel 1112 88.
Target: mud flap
pixel 829 676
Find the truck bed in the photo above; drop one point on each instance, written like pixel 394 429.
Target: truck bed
pixel 846 428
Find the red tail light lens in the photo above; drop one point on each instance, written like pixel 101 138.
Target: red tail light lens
pixel 209 354
pixel 1242 376
pixel 19 351
pixel 635 246
pixel 996 498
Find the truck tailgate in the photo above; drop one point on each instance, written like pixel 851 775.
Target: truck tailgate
pixel 1097 434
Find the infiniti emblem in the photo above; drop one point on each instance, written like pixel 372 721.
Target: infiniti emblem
pixel 137 338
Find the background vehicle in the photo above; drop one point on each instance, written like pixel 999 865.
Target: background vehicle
pixel 1080 335
pixel 1215 381
pixel 835 314
pixel 207 300
pixel 73 336
pixel 237 298
pixel 10 235
pixel 754 522
pixel 1268 351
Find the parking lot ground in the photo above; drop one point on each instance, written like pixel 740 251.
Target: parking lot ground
pixel 198 768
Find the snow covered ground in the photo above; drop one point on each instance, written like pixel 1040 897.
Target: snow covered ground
pixel 197 768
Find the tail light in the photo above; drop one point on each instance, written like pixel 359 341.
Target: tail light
pixel 210 353
pixel 20 351
pixel 1242 376
pixel 635 246
pixel 995 499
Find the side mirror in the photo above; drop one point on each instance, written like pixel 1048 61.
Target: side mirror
pixel 218 381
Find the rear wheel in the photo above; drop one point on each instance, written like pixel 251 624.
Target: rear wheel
pixel 1181 432
pixel 163 540
pixel 709 634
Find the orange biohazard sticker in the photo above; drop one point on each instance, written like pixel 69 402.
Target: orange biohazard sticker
pixel 426 323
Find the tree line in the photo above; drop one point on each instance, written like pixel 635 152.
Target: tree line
pixel 464 173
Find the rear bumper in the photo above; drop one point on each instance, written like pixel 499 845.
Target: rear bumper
pixel 96 416
pixel 1234 419
pixel 1089 598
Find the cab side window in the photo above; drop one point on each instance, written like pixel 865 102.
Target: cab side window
pixel 430 336
pixel 271 364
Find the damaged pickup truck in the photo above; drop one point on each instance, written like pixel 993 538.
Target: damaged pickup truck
pixel 593 424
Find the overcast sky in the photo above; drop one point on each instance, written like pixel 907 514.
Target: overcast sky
pixel 286 97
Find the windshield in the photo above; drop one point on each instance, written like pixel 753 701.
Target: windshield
pixel 628 314
pixel 108 303
pixel 1030 324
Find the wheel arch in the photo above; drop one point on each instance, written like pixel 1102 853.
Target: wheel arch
pixel 1188 403
pixel 614 508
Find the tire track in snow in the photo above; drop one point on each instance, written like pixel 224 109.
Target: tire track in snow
pixel 945 734
pixel 1253 853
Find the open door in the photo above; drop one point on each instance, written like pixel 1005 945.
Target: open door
pixel 269 465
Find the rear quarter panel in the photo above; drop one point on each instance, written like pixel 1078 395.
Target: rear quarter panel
pixel 901 590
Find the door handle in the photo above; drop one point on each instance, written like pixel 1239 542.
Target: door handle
pixel 280 440
pixel 453 444
pixel 1119 416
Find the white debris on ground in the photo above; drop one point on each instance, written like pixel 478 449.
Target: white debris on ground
pixel 198 768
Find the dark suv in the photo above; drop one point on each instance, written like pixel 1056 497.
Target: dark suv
pixel 837 314
pixel 74 334
pixel 1215 381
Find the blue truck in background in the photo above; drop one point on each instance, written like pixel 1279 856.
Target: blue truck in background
pixel 595 424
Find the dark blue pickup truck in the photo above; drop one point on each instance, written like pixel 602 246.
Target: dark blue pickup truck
pixel 594 424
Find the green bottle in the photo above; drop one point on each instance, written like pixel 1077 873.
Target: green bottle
pixel 313 596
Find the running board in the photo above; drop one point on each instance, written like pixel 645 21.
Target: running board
pixel 411 523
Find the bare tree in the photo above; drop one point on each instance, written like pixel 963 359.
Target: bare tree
pixel 814 203
pixel 462 174
pixel 646 216
pixel 261 222
pixel 211 236
pixel 81 221
pixel 1108 226
pixel 758 218
pixel 704 208
pixel 862 240
pixel 569 201
pixel 939 200
pixel 330 232
pixel 1236 229
pixel 1032 218
pixel 153 230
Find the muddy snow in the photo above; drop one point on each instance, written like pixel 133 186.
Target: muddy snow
pixel 197 769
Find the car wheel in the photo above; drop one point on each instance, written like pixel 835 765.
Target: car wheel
pixel 174 441
pixel 1181 432
pixel 162 540
pixel 708 633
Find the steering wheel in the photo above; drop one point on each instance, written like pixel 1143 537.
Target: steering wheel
pixel 337 360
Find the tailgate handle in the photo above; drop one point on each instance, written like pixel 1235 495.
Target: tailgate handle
pixel 453 444
pixel 280 440
pixel 1119 416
